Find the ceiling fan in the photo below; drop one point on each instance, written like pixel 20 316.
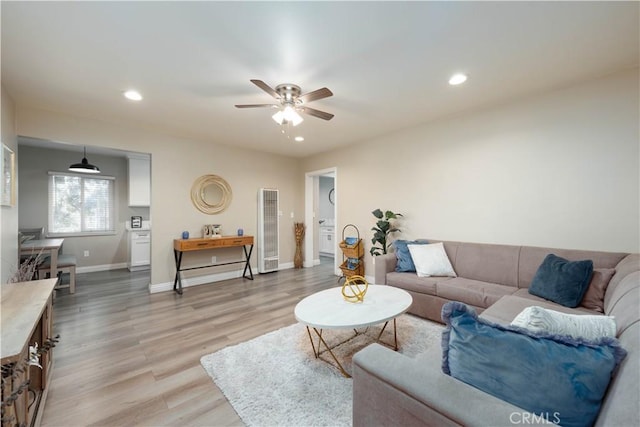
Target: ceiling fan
pixel 291 101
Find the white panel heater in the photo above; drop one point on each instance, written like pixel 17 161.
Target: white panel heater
pixel 268 230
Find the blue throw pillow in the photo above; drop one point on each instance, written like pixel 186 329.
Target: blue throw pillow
pixel 562 281
pixel 405 262
pixel 557 377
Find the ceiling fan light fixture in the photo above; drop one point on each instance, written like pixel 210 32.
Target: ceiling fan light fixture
pixel 291 102
pixel 278 117
pixel 287 115
pixel 84 166
pixel 291 115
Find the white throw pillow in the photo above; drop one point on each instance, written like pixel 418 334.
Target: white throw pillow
pixel 590 327
pixel 431 260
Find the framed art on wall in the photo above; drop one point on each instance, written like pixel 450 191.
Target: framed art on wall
pixel 7 189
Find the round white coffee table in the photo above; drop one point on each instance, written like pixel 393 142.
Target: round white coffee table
pixel 329 310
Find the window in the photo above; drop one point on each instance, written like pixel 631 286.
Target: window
pixel 80 205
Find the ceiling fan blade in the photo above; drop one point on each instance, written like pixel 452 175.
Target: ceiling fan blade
pixel 316 113
pixel 265 87
pixel 255 105
pixel 315 95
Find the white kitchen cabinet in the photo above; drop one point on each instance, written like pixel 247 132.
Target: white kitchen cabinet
pixel 139 250
pixel 327 244
pixel 139 181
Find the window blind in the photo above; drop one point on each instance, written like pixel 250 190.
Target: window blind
pixel 81 205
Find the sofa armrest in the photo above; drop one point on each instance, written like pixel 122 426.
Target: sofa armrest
pixel 390 388
pixel 383 264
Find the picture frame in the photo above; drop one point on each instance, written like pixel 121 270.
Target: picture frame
pixel 8 174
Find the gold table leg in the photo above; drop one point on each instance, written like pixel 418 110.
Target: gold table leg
pixel 317 350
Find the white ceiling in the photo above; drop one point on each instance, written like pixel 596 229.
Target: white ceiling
pixel 387 63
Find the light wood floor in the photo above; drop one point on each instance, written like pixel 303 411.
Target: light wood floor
pixel 127 357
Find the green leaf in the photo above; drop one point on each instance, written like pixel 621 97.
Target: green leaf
pixel 391 215
pixel 383 226
pixel 377 213
pixel 380 234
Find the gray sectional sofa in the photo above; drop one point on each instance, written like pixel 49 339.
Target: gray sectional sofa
pixel 392 389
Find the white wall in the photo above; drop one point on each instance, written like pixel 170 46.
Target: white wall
pixel 8 215
pixel 176 163
pixel 560 169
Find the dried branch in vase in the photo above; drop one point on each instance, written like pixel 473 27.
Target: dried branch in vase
pixel 299 234
pixel 299 230
pixel 27 269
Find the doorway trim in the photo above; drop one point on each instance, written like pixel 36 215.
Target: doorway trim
pixel 310 194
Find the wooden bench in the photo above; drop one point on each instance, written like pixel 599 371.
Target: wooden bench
pixel 66 264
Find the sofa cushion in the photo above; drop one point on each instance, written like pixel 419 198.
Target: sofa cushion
pixel 404 262
pixel 562 281
pixel 594 297
pixel 431 260
pixel 411 282
pixel 590 327
pixel 488 263
pixel 559 377
pixel 474 292
pixel 508 307
pixel 625 301
pixel 624 268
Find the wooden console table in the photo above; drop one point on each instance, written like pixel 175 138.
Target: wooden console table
pixel 180 246
pixel 27 320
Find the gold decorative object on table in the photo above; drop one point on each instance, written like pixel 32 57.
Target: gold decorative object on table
pixel 299 230
pixel 355 288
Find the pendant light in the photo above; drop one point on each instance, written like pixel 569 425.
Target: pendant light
pixel 84 166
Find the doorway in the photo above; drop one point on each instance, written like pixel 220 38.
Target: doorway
pixel 321 203
pixel 130 198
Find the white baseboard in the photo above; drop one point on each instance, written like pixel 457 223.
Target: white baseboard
pixel 138 267
pixel 285 266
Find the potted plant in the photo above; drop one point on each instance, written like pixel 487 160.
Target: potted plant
pixel 382 230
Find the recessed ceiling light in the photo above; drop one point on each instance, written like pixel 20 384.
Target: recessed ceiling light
pixel 456 79
pixel 133 95
pixel 299 138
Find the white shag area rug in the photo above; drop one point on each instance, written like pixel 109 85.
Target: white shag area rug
pixel 275 380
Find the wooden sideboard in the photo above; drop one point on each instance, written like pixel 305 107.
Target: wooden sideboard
pixel 180 246
pixel 27 320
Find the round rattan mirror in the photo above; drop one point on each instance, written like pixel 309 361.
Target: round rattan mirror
pixel 211 194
